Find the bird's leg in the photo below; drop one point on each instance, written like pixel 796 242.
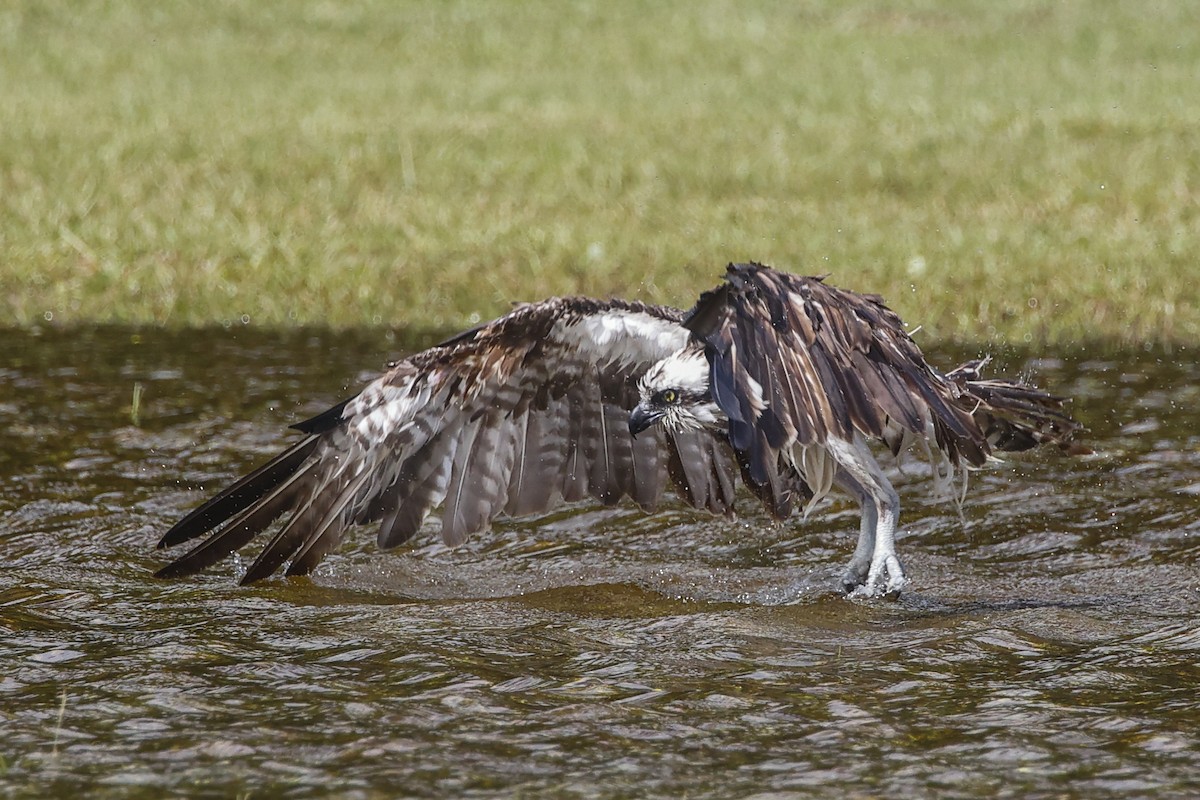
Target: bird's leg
pixel 884 559
pixel 860 564
pixel 881 504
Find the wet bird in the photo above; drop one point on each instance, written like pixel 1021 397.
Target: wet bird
pixel 780 380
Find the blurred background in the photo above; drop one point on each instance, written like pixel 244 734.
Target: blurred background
pixel 1022 171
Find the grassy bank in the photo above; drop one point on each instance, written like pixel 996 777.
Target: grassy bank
pixel 1024 170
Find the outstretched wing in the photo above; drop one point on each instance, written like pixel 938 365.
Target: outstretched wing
pixel 797 362
pixel 511 418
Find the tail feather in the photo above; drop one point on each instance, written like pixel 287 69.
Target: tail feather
pixel 1015 416
pixel 240 496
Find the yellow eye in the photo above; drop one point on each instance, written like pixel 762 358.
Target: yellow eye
pixel 668 396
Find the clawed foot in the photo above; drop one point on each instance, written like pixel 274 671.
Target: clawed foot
pixel 855 575
pixel 883 577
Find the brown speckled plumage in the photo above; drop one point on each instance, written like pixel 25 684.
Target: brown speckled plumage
pixel 531 410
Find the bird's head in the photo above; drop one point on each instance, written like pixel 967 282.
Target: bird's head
pixel 675 393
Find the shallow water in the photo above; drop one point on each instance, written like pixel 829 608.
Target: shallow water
pixel 1048 645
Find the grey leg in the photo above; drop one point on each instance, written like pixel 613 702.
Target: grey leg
pixel 860 564
pixel 885 574
pixel 884 560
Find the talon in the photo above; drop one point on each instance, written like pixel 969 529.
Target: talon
pixel 885 579
pixel 860 592
pixel 894 587
pixel 853 578
pixel 896 578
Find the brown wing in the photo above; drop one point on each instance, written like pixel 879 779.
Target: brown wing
pixel 514 417
pixel 794 361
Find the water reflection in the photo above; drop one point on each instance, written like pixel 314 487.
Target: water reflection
pixel 1049 644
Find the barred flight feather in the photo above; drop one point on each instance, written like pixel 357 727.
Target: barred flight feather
pixel 512 417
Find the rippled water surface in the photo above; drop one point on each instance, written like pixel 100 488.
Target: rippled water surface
pixel 1048 645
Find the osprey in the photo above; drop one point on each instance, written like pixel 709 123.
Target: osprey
pixel 781 379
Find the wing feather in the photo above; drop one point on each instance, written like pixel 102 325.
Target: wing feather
pixel 244 526
pixel 459 512
pixel 242 493
pixel 419 488
pixel 316 527
pixel 702 468
pixel 830 363
pixel 647 469
pixel 574 475
pixel 543 461
pixel 512 417
pixel 605 484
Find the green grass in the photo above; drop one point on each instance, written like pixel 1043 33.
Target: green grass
pixel 997 170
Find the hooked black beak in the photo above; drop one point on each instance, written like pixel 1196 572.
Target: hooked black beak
pixel 642 418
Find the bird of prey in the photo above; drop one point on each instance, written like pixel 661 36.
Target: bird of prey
pixel 781 380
